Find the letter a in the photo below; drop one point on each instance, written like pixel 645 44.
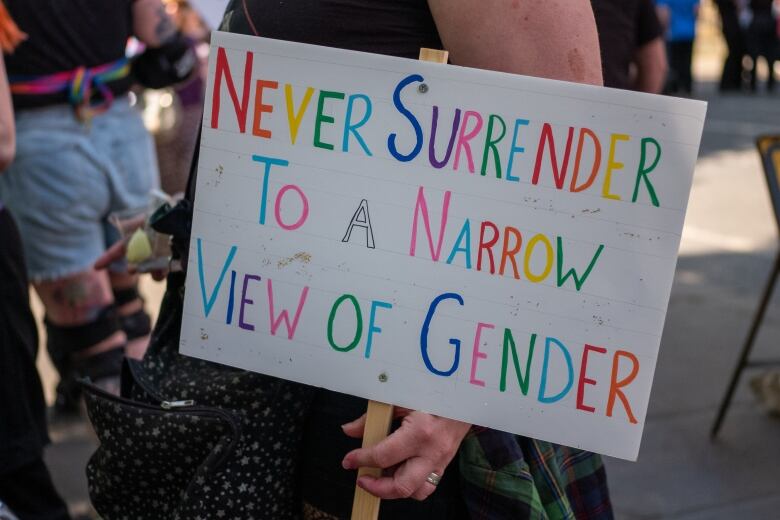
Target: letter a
pixel 361 219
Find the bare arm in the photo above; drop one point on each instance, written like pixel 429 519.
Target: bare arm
pixel 651 66
pixel 7 127
pixel 554 39
pixel 151 24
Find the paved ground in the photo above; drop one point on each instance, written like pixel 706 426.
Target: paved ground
pixel 728 245
pixel 729 242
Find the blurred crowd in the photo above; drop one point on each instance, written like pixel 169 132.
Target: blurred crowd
pixel 751 29
pixel 87 92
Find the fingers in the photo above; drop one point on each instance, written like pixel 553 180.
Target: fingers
pixel 112 254
pixel 397 447
pixel 407 482
pixel 117 252
pixel 158 275
pixel 423 444
pixel 421 435
pixel 355 428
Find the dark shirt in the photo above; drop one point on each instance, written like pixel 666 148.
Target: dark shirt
pixel 22 407
pixel 65 35
pixel 624 26
pixel 392 27
pixel 761 7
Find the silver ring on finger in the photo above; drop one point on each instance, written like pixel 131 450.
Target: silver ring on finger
pixel 434 478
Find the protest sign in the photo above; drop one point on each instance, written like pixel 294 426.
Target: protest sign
pixel 483 246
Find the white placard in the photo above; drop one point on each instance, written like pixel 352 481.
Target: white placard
pixel 518 281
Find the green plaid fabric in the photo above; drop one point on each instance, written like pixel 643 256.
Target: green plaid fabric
pixel 509 477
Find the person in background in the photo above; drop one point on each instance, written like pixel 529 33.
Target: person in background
pixel 175 145
pixel 680 35
pixel 762 41
pixel 26 488
pixel 731 79
pixel 633 54
pixel 776 11
pixel 82 153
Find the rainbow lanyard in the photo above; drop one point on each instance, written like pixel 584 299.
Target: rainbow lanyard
pixel 79 83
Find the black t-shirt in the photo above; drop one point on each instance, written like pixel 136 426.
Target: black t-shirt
pixel 391 27
pixel 624 26
pixel 66 34
pixel 761 7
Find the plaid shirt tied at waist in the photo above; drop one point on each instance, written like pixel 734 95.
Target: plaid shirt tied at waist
pixel 504 476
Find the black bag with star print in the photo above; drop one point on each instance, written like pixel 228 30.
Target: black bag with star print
pixel 152 459
pixel 189 439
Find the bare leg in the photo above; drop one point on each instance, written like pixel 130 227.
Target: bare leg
pixel 84 336
pixel 78 300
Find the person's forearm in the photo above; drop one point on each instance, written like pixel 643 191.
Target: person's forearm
pixel 554 39
pixel 651 67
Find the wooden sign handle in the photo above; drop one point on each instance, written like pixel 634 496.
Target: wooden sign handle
pixel 365 506
pixel 379 416
pixel 434 55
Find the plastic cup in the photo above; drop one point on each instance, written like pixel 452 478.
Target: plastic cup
pixel 147 250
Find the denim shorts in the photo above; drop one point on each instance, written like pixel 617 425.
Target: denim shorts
pixel 69 176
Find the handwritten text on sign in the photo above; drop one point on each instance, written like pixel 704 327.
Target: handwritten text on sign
pixel 487 247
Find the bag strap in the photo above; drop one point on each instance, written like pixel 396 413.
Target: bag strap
pixel 249 18
pixel 189 192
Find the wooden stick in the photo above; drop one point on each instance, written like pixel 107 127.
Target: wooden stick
pixel 434 55
pixel 365 506
pixel 379 416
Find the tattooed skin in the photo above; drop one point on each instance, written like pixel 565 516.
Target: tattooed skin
pixel 76 299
